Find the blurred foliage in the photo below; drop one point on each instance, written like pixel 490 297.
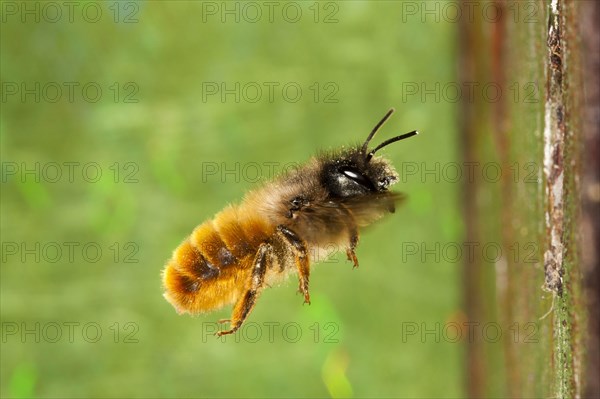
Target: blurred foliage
pixel 160 145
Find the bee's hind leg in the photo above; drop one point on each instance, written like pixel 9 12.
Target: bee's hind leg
pixel 244 305
pixel 298 247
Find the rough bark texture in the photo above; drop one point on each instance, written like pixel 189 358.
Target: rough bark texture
pixel 533 134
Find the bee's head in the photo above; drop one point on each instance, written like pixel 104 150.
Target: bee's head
pixel 354 171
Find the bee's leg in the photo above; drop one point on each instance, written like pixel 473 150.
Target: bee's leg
pixel 244 305
pixel 352 246
pixel 300 251
pixel 353 230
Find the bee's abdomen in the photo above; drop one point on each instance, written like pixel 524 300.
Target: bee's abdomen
pixel 208 270
pixel 190 280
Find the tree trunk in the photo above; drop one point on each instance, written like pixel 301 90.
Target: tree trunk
pixel 523 136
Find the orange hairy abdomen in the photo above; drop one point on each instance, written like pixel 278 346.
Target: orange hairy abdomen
pixel 212 267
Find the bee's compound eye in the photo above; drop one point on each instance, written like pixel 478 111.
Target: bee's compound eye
pixel 356 176
pixel 351 174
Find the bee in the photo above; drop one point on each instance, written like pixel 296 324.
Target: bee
pixel 233 257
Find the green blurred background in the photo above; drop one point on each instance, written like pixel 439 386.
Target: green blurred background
pixel 152 133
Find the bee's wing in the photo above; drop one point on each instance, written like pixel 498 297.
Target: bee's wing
pixel 367 209
pixel 324 221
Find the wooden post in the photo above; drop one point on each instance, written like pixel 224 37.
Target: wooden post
pixel 529 130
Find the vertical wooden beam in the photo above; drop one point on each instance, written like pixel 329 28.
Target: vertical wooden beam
pixel 531 53
pixel 471 44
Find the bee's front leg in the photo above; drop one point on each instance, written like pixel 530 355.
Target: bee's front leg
pixel 353 232
pixel 352 246
pixel 299 248
pixel 244 305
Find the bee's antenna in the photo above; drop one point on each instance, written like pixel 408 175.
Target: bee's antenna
pixel 375 129
pixel 390 141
